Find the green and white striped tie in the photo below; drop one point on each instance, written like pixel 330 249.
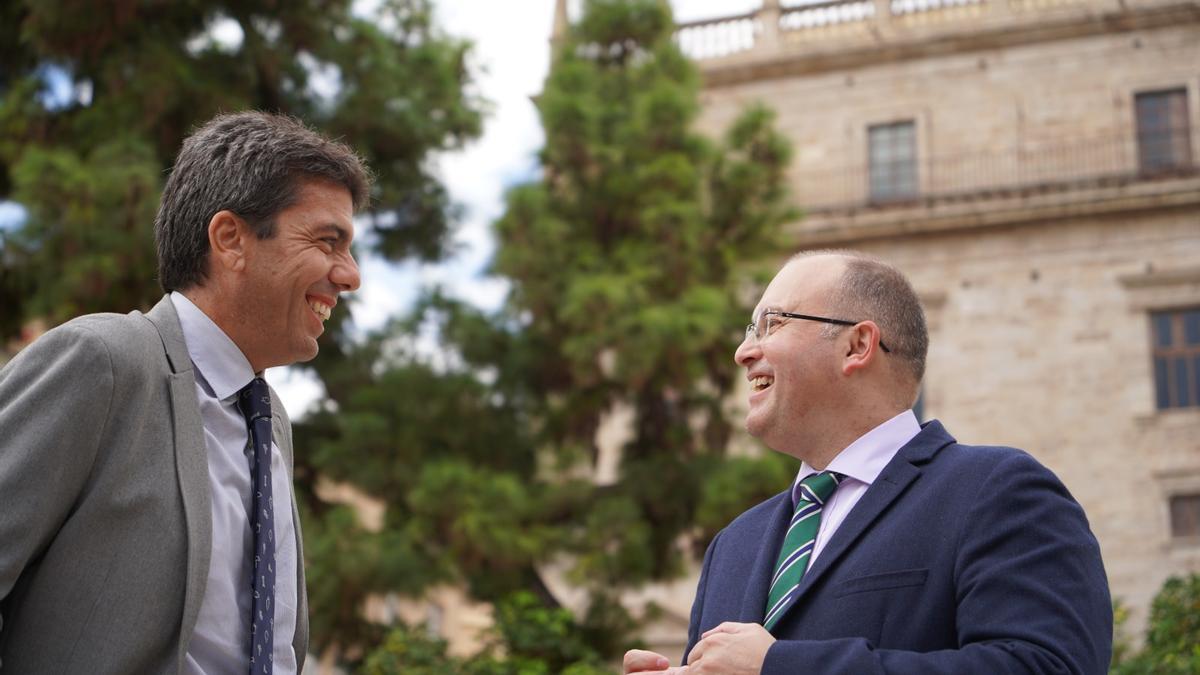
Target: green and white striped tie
pixel 798 543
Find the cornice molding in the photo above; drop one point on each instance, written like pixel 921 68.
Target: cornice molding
pixel 847 229
pixel 954 38
pixel 1156 278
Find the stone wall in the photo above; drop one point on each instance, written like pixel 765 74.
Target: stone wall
pixel 1037 282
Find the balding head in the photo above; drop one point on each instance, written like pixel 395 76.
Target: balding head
pixel 833 354
pixel 807 282
pixel 869 289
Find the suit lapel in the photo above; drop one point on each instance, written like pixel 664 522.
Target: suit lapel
pixel 891 483
pixel 281 431
pixel 754 602
pixel 886 488
pixel 191 463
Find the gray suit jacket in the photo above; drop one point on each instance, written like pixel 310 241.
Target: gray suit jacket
pixel 105 521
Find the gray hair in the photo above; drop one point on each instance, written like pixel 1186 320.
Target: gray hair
pixel 253 164
pixel 873 290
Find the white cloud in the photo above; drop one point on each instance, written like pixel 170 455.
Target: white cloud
pixel 510 58
pixel 12 215
pixel 222 32
pixel 388 289
pixel 299 389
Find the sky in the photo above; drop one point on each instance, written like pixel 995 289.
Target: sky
pixel 510 58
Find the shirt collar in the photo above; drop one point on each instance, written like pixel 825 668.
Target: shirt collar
pixel 214 354
pixel 864 459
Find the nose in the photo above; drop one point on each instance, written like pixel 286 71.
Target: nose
pixel 345 273
pixel 748 352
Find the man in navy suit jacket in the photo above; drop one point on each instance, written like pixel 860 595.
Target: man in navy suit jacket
pixel 930 556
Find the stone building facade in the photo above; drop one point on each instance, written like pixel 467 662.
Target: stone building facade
pixel 1032 166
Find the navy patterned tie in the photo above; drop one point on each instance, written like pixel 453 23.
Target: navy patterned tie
pixel 254 400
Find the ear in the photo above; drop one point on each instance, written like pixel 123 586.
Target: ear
pixel 227 239
pixel 861 347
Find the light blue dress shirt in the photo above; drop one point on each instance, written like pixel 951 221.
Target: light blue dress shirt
pixel 221 641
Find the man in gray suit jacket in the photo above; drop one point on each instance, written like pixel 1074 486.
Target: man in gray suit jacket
pixel 146 514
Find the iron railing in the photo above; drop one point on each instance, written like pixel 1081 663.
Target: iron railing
pixel 1052 165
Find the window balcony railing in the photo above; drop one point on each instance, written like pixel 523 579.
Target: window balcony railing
pixel 1033 167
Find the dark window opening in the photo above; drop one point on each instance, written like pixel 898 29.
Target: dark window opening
pixel 1176 340
pixel 1185 516
pixel 892 161
pixel 1163 131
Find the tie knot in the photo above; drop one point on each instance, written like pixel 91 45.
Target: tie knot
pixel 819 486
pixel 254 400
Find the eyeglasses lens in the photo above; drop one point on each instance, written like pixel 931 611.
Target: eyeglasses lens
pixel 762 327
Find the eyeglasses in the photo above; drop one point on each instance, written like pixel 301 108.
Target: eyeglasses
pixel 763 323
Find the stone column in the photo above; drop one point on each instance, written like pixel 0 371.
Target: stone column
pixel 883 18
pixel 768 17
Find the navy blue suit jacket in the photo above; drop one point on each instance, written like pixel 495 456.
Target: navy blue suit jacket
pixel 958 559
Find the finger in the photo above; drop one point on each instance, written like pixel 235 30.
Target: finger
pixel 726 627
pixel 640 660
pixel 694 655
pixel 702 647
pixel 678 670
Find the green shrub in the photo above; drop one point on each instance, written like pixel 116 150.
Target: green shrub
pixel 1173 636
pixel 410 651
pixel 528 638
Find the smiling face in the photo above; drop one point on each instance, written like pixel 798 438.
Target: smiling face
pixel 291 281
pixel 793 371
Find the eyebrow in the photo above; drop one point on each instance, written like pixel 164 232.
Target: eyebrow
pixel 342 233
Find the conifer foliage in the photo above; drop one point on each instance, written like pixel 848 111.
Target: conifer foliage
pixel 96 98
pixel 628 261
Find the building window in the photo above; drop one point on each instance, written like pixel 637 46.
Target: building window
pixel 892 161
pixel 1185 516
pixel 1176 358
pixel 1163 133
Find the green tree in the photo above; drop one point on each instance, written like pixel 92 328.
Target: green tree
pixel 1173 635
pixel 625 261
pixel 628 260
pixel 448 457
pixel 94 105
pixel 527 639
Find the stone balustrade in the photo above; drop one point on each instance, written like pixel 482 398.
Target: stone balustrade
pixel 1060 165
pixel 715 38
pixel 774 25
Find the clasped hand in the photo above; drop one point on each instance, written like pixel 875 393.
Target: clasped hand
pixel 729 649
